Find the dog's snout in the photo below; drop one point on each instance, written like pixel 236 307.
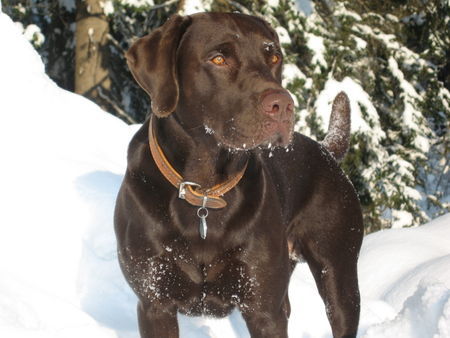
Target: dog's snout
pixel 277 108
pixel 277 103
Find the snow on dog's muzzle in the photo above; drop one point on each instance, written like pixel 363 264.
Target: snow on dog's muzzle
pixel 278 108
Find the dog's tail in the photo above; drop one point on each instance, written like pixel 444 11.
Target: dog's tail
pixel 337 140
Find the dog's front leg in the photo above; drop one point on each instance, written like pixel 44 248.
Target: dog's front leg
pixel 266 311
pixel 156 322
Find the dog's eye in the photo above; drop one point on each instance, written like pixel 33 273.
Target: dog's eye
pixel 218 60
pixel 274 59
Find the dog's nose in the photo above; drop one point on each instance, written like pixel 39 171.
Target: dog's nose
pixel 276 103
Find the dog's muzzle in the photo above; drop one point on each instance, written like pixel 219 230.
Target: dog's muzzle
pixel 277 107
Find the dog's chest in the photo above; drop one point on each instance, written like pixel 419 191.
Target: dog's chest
pixel 212 288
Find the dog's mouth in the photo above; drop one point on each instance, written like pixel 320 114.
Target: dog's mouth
pixel 248 135
pixel 278 132
pixel 270 124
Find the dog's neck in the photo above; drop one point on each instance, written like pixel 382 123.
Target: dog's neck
pixel 196 155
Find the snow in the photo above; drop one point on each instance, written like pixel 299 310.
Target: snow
pixel 360 43
pixel 33 33
pixel 283 35
pixel 411 117
pixel 108 7
pixel 340 10
pixel 291 72
pixel 190 7
pixel 273 3
pixel 417 286
pixel 63 160
pixel 408 57
pixel 358 99
pixel 138 3
pixel 316 44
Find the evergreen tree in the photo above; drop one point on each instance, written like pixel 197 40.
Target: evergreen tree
pixel 391 57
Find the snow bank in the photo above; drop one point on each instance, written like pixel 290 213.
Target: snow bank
pixel 59 151
pixel 409 271
pixel 63 159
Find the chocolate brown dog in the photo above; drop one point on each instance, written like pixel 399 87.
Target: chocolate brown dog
pixel 220 196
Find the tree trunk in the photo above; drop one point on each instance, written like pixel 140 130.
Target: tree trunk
pixel 91 53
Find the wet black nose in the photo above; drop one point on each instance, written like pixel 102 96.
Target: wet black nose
pixel 275 103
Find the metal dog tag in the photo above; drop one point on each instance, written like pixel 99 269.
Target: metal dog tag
pixel 203 227
pixel 202 213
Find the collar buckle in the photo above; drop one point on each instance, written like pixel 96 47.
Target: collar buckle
pixel 182 188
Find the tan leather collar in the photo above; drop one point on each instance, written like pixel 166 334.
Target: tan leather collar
pixel 191 192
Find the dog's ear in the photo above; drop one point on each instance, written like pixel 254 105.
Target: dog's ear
pixel 152 60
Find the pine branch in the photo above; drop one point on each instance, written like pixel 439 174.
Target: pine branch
pixel 167 3
pixel 117 109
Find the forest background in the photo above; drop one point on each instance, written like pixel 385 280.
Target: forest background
pixel 391 57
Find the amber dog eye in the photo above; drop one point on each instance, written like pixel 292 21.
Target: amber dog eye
pixel 218 60
pixel 274 59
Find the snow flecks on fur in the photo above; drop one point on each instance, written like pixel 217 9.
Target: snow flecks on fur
pixel 159 278
pixel 337 139
pixel 269 46
pixel 209 130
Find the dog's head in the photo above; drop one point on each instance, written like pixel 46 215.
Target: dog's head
pixel 219 73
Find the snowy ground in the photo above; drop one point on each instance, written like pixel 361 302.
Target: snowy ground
pixel 62 164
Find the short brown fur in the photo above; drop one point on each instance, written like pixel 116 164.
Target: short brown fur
pixel 293 199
